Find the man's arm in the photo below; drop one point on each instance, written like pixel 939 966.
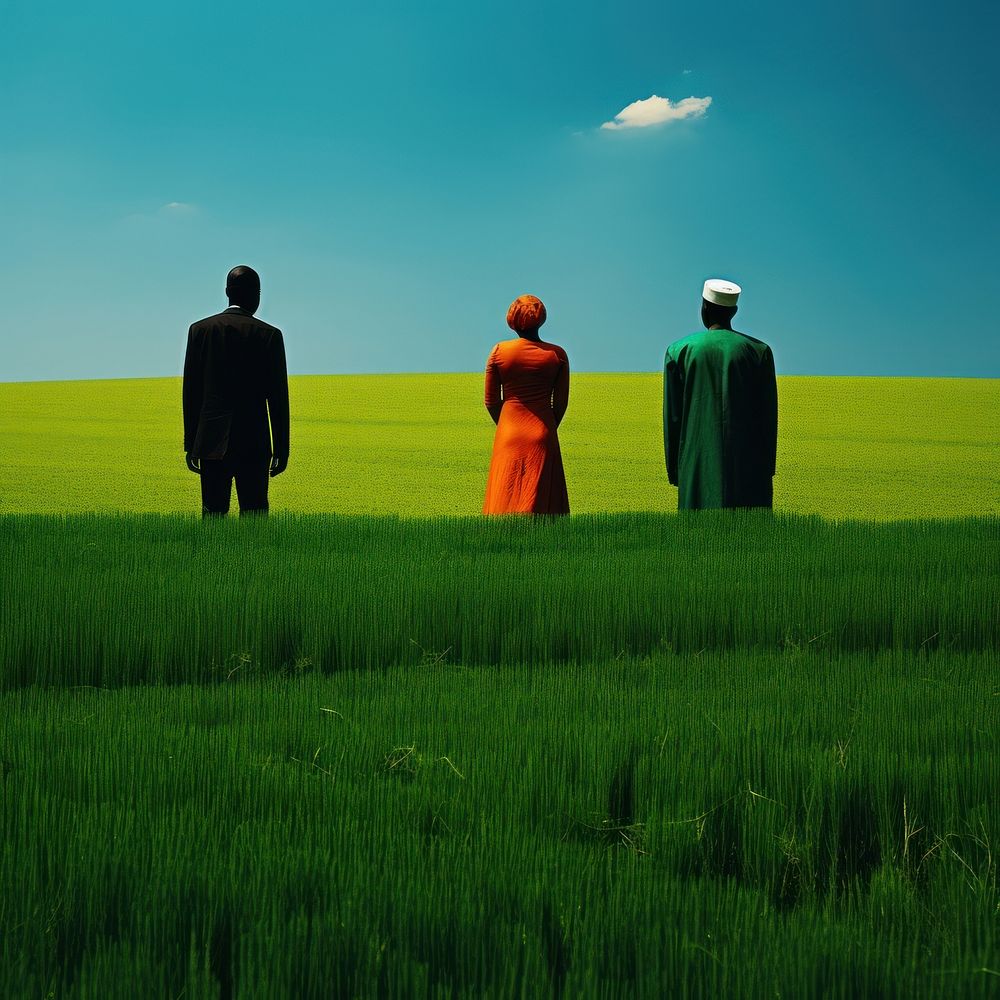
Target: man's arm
pixel 673 395
pixel 277 402
pixel 192 391
pixel 769 411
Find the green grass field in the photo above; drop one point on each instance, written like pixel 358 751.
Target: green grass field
pixel 353 750
pixel 159 599
pixel 719 754
pixel 419 445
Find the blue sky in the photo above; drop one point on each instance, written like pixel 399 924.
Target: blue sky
pixel 398 172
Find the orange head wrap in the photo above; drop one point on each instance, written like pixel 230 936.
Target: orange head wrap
pixel 525 313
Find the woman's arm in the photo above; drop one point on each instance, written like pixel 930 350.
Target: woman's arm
pixel 494 389
pixel 560 392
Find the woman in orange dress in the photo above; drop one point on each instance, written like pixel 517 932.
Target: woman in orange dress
pixel 527 391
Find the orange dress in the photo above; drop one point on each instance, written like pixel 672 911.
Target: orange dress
pixel 526 471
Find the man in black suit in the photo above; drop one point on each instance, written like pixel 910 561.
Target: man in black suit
pixel 234 377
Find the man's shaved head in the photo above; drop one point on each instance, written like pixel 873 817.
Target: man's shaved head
pixel 243 287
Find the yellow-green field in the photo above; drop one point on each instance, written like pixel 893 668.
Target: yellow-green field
pixel 881 448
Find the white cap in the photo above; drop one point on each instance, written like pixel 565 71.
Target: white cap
pixel 721 292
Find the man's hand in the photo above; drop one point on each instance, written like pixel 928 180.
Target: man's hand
pixel 194 464
pixel 278 465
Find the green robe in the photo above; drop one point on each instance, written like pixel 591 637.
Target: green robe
pixel 720 420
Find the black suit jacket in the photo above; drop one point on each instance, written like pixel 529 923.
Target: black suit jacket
pixel 234 375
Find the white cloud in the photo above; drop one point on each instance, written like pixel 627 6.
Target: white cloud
pixel 656 110
pixel 178 208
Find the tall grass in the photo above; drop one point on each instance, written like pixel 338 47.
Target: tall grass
pixel 105 601
pixel 692 756
pixel 794 823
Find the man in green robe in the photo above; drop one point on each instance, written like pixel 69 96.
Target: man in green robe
pixel 720 410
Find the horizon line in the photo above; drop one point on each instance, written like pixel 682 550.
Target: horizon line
pixel 398 374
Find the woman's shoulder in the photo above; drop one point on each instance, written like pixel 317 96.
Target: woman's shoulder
pixel 524 346
pixel 555 348
pixel 509 348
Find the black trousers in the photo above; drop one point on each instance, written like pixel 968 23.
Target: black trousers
pixel 251 475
